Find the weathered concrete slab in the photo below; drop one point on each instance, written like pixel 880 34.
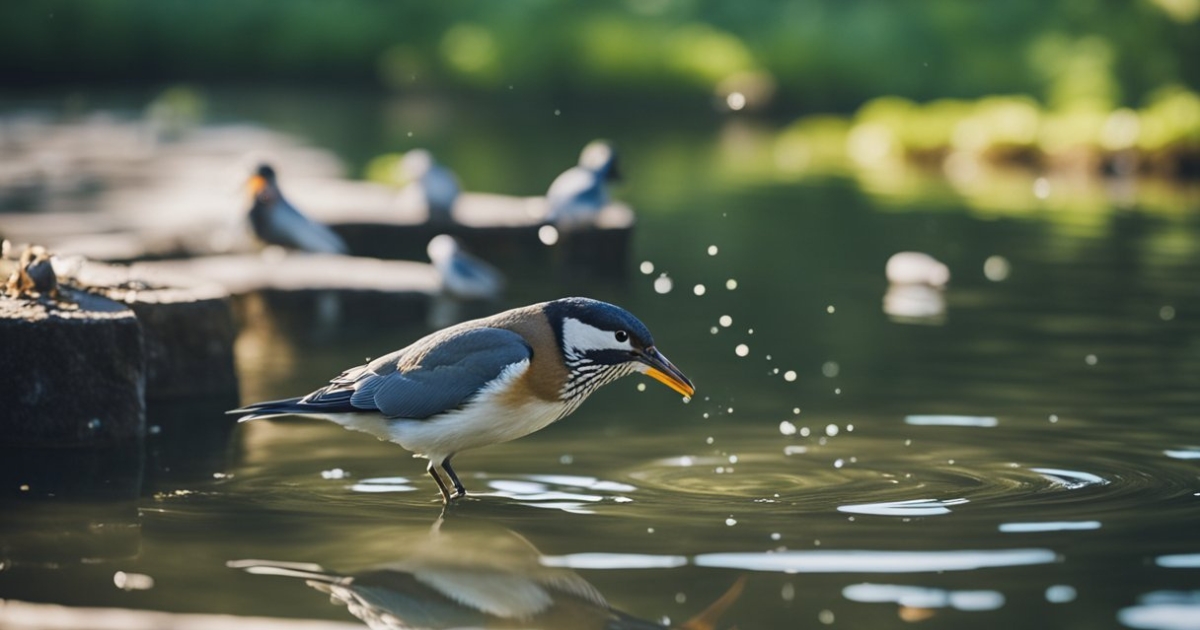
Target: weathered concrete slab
pixel 240 274
pixel 188 330
pixel 72 372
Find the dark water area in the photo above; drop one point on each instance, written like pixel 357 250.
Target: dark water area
pixel 1022 450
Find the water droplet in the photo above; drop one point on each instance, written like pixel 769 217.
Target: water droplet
pixel 649 530
pixel 849 428
pixel 837 390
pixel 831 430
pixel 708 440
pixel 789 375
pixel 699 289
pixel 825 617
pixel 663 284
pixel 24 487
pixel 680 598
pixel 749 331
pixel 805 432
pixel 641 387
pixel 725 321
pixel 334 473
pixel 795 411
pixel 566 460
pixel 1091 359
pixel 996 268
pixel 713 330
pixel 829 309
pixel 94 424
pixel 776 536
pixel 788 592
pixel 548 235
pixel 133 581
pixel 787 428
pixel 838 463
pixel 1166 313
pixel 830 369
pixel 1053 418
pixel 729 410
pixel 646 267
pixel 731 521
pixel 733 459
pixel 712 250
pixel 908 442
pixel 731 284
pixel 558 112
pixel 742 350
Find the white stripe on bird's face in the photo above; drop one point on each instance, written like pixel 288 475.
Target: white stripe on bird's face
pixel 579 338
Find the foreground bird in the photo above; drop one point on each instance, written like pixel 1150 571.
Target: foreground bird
pixel 277 222
pixel 463 275
pixel 433 183
pixel 581 192
pixel 486 381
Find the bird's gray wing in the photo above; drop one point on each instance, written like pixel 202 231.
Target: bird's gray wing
pixel 304 233
pixel 448 375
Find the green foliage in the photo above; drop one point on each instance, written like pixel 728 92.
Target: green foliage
pixel 821 54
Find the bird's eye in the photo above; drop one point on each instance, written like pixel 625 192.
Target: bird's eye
pixel 622 336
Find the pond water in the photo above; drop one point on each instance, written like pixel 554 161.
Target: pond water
pixel 1021 451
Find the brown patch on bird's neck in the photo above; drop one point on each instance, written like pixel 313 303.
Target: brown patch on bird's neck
pixel 547 372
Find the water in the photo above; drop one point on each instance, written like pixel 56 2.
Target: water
pixel 1022 453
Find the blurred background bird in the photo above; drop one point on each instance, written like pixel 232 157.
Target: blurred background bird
pixel 277 222
pixel 432 184
pixel 463 274
pixel 486 381
pixel 577 195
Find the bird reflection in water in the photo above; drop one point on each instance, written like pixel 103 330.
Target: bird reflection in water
pixel 473 576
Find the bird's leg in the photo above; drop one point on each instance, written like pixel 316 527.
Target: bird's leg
pixel 432 470
pixel 459 490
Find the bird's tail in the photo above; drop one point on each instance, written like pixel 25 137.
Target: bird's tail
pixel 269 409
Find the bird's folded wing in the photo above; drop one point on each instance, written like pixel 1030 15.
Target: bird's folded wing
pixel 307 234
pixel 447 376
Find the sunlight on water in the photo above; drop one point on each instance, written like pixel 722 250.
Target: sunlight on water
pixel 1164 610
pixel 922 597
pixel 1058 526
pixel 1071 479
pixel 951 421
pixel 863 561
pixel 1179 561
pixel 915 507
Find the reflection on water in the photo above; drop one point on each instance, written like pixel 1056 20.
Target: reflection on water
pixel 466 575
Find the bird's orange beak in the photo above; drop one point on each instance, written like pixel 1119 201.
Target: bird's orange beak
pixel 660 369
pixel 256 185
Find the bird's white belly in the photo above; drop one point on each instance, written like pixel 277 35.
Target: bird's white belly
pixel 472 427
pixel 490 418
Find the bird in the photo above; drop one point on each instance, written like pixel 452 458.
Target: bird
pixel 277 222
pixel 471 576
pixel 433 183
pixel 486 381
pixel 578 194
pixel 916 268
pixel 463 275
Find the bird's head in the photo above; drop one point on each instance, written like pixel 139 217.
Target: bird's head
pixel 262 182
pixel 600 157
pixel 601 342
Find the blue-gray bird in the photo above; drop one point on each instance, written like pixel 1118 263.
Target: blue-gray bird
pixel 463 275
pixel 581 192
pixel 278 222
pixel 434 184
pixel 486 381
